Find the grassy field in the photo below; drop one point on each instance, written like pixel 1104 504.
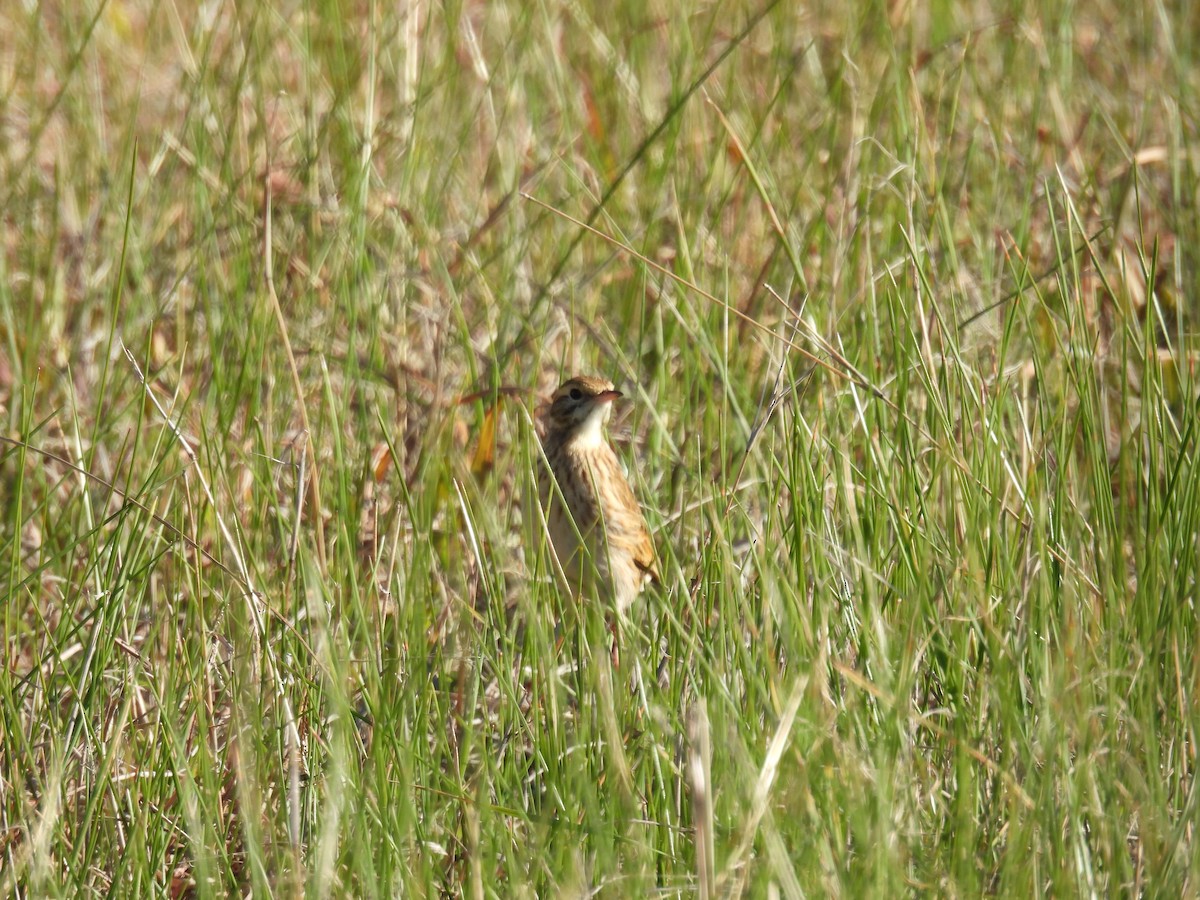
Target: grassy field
pixel 901 297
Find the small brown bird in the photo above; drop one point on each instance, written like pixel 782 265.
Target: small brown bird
pixel 600 535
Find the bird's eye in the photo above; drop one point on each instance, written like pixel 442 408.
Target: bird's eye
pixel 576 394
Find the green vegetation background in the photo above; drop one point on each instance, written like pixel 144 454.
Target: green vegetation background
pixel 901 296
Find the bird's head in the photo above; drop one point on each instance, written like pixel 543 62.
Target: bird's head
pixel 581 407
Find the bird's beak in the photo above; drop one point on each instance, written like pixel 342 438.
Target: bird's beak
pixel 608 396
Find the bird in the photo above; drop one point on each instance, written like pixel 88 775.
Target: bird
pixel 595 523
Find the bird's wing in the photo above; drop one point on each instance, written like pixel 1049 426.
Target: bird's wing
pixel 631 531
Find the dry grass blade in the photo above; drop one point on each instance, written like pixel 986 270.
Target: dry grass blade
pixel 700 781
pixel 733 878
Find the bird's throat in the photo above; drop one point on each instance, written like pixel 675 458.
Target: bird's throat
pixel 590 432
